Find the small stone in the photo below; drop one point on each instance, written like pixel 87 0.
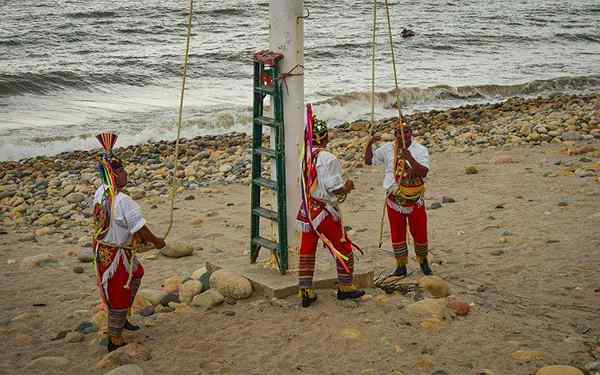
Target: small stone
pixel 230 300
pixel 147 311
pixel 129 353
pixel 230 284
pixel 497 253
pixel 435 205
pixel 169 298
pixel 448 200
pixel 86 255
pixel 435 286
pixel 177 250
pixel 483 372
pixel 439 372
pixel 75 197
pixel 131 369
pixel 563 204
pixel 499 206
pixel 49 363
pixel 78 269
pixel 189 290
pixel 172 284
pixel 47 219
pixel 229 313
pixel 559 370
pixel 39 260
pixel 208 299
pixel 73 337
pixel 428 308
pixel 459 307
pixel 160 309
pixel 526 356
pixel 471 170
pixel 154 296
pixel 189 198
pixel 87 328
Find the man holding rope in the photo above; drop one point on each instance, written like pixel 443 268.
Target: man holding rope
pixel 324 220
pixel 119 228
pixel 406 166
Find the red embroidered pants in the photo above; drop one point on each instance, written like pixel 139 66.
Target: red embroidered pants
pixel 417 223
pixel 332 230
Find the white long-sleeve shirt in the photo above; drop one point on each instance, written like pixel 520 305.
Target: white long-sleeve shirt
pixel 126 218
pixel 384 155
pixel 329 177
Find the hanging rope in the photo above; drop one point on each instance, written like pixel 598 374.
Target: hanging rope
pixel 397 91
pixel 180 115
pixel 400 116
pixel 372 130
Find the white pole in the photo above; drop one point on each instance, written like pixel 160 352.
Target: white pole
pixel 287 37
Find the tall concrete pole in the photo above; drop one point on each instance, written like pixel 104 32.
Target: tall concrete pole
pixel 287 38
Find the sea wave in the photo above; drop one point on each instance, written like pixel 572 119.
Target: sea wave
pixel 93 14
pixel 416 95
pixel 48 82
pixel 352 106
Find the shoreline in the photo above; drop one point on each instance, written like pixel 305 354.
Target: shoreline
pixel 57 189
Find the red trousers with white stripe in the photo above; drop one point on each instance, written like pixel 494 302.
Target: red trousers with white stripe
pixel 417 224
pixel 332 229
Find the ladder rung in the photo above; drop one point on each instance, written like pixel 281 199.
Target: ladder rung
pixel 265 151
pixel 266 213
pixel 264 182
pixel 263 242
pixel 264 90
pixel 266 121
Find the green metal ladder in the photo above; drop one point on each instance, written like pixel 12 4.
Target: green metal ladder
pixel 267 82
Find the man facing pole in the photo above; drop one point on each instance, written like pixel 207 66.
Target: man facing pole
pixel 406 166
pixel 119 228
pixel 320 216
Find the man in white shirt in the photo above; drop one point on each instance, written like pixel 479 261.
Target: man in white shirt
pixel 323 221
pixel 119 227
pixel 406 166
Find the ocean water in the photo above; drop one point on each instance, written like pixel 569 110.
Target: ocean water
pixel 72 68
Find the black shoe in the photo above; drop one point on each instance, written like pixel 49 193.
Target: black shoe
pixel 425 268
pixel 400 271
pixel 111 346
pixel 350 295
pixel 130 327
pixel 307 300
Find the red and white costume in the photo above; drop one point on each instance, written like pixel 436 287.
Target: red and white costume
pixel 402 210
pixel 113 257
pixel 325 216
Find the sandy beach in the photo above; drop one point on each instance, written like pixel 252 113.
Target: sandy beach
pixel 519 244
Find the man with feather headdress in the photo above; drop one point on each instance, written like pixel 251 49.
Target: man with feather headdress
pixel 119 228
